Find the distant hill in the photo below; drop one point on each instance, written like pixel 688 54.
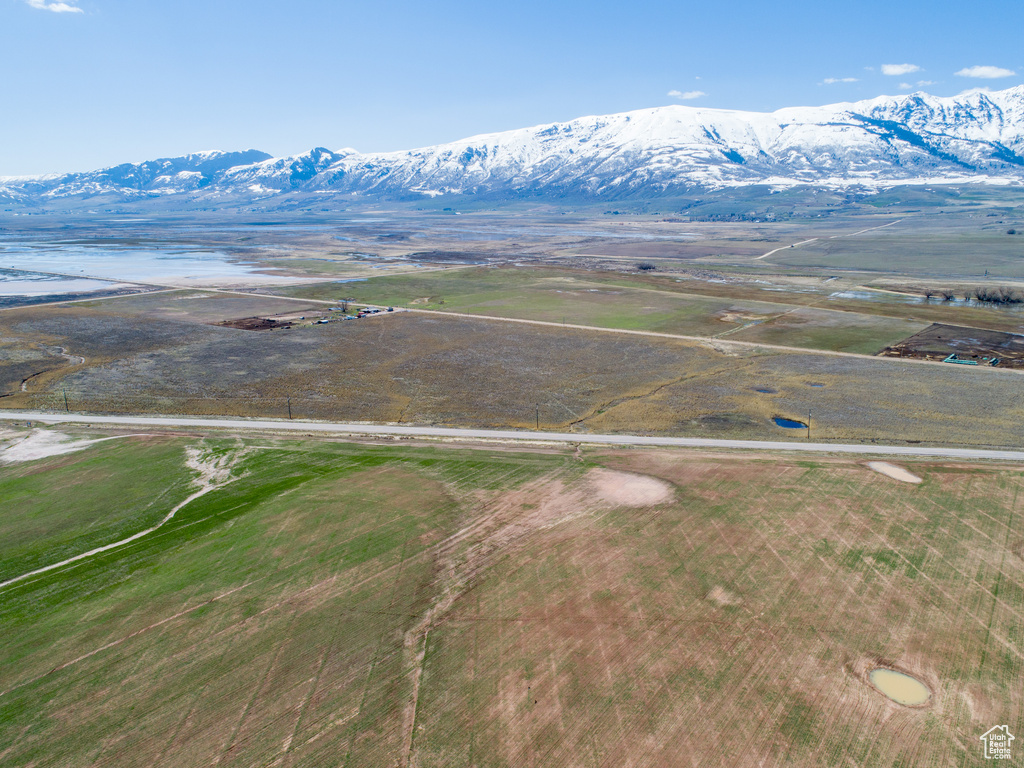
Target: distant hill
pixel 912 139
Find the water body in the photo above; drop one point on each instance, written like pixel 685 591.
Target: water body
pixel 33 270
pixel 17 283
pixel 899 298
pixel 901 688
pixel 788 423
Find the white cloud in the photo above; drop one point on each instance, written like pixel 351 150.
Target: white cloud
pixel 687 95
pixel 899 69
pixel 55 5
pixel 905 86
pixel 988 73
pixel 925 83
pixel 831 80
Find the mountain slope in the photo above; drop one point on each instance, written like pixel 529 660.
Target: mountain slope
pixel 904 139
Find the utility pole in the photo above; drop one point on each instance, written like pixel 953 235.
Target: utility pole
pixel 538 417
pixel 808 424
pixel 289 408
pixel 66 407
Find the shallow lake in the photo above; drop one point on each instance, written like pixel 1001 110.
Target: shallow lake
pixel 21 265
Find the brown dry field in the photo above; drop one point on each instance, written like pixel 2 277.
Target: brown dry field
pixel 434 369
pixel 439 606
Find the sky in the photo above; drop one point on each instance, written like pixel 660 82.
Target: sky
pixel 94 83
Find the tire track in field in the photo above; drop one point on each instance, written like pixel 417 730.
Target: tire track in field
pixel 187 717
pixel 214 472
pixel 939 554
pixel 230 744
pixel 762 669
pixel 949 598
pixel 864 725
pixel 119 641
pixel 353 732
pixel 999 577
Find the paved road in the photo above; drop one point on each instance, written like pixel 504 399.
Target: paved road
pixel 500 434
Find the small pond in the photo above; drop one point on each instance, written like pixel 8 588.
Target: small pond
pixel 901 688
pixel 788 423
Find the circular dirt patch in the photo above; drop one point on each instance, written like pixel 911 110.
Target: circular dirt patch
pixel 624 489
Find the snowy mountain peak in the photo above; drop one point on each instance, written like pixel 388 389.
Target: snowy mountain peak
pixel 978 135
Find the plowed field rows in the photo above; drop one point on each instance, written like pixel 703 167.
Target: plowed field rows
pixel 347 604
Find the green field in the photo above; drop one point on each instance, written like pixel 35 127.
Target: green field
pixel 610 300
pixel 87 502
pixel 351 604
pixel 812 314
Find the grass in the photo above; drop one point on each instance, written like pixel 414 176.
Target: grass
pixel 281 618
pixel 59 507
pixel 810 317
pixel 823 329
pixel 961 252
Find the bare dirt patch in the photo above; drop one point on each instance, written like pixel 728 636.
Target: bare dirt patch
pixel 214 469
pixel 43 443
pixel 624 489
pixel 893 471
pixel 256 324
pixel 723 596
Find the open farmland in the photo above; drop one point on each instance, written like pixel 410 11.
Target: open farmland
pixel 199 306
pixel 963 245
pixel 409 368
pixel 360 604
pixel 818 313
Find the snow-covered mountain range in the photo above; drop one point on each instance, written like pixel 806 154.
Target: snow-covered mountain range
pixel 915 138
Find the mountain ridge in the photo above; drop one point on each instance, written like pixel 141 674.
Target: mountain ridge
pixel 915 138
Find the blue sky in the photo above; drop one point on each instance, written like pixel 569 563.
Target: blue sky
pixel 90 83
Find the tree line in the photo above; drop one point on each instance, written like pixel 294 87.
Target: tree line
pixel 992 295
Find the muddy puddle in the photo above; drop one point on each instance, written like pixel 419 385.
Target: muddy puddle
pixel 901 688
